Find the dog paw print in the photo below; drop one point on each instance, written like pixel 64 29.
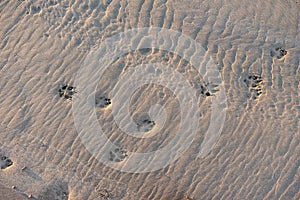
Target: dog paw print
pixel 186 197
pixel 209 89
pixel 212 88
pixel 146 125
pixel 117 155
pixel 32 9
pixel 5 162
pixel 103 193
pixel 278 52
pixel 103 102
pixel 67 91
pixel 254 83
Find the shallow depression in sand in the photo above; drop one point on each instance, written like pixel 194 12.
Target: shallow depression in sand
pixel 255 46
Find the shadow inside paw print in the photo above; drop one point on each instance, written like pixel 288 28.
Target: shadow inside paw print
pixel 67 91
pixel 254 83
pixel 117 155
pixel 103 192
pixel 32 9
pixel 103 102
pixel 146 125
pixel 186 197
pixel 5 162
pixel 209 89
pixel 278 52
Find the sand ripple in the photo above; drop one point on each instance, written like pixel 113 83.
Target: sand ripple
pixel 43 43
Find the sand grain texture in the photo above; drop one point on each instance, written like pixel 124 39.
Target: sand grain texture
pixel 43 44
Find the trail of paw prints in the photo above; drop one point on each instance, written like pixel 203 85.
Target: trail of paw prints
pixel 254 83
pixel 5 162
pixel 67 91
pixel 278 53
pixel 103 102
pixel 117 155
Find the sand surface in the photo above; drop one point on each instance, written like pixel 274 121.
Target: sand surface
pixel 7 193
pixel 257 156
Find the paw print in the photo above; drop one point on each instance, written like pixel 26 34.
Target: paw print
pixel 117 155
pixel 146 125
pixel 32 9
pixel 186 197
pixel 212 88
pixel 67 91
pixel 278 52
pixel 254 83
pixel 103 193
pixel 5 162
pixel 209 89
pixel 103 102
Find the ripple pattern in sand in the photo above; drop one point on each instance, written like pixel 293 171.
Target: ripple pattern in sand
pixel 257 157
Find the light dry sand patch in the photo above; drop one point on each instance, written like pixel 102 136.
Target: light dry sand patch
pixel 43 44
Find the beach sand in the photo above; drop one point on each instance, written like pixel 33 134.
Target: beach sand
pixel 7 193
pixel 255 46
